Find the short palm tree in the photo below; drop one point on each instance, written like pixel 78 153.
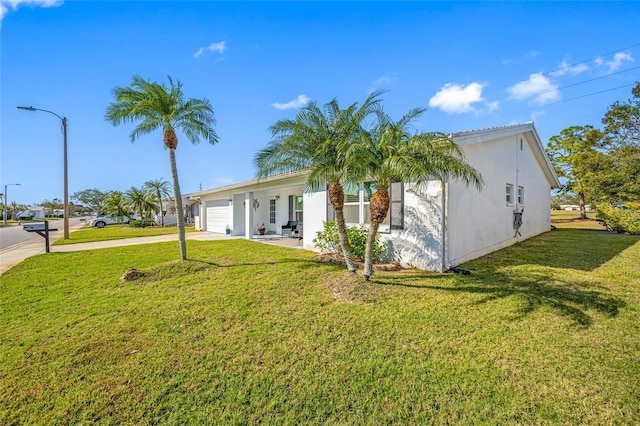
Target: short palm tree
pixel 117 205
pixel 158 106
pixel 160 189
pixel 318 140
pixel 141 201
pixel 390 153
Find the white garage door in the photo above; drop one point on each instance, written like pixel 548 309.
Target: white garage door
pixel 217 216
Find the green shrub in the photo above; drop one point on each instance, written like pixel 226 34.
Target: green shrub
pixel 620 219
pixel 328 240
pixel 142 223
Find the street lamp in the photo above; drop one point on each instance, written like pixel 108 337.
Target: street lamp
pixel 66 178
pixel 4 213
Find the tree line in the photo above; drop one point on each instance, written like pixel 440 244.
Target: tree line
pixel 142 202
pixel 601 166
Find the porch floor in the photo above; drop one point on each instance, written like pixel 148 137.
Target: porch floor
pixel 278 240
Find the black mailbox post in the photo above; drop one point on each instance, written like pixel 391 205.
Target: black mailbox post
pixel 41 229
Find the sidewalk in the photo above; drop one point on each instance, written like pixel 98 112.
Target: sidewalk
pixel 15 254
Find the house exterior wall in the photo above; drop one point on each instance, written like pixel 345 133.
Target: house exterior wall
pixel 315 214
pixel 420 244
pixel 480 222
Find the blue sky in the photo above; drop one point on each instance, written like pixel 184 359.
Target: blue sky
pixel 471 64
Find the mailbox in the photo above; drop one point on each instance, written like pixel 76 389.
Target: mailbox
pixel 34 226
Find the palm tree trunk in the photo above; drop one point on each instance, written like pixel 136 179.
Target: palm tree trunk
pixel 378 206
pixel 178 198
pixel 336 197
pixel 161 212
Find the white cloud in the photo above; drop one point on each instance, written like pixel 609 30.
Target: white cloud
pixel 219 47
pixel 384 81
pixel 5 5
pixel 617 61
pixel 298 102
pixel 537 86
pixel 457 98
pixel 565 68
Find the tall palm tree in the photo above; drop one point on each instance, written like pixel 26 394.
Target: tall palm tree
pixel 390 152
pixel 159 188
pixel 318 139
pixel 141 201
pixel 158 106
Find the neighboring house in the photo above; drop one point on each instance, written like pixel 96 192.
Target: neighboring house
pixel 35 212
pixel 431 226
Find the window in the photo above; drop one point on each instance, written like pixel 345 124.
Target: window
pixel 295 208
pixel 298 209
pixel 357 199
pixel 521 195
pixel 509 194
pixel 272 211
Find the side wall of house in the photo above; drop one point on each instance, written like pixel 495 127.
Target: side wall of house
pixel 315 213
pixel 480 222
pixel 420 243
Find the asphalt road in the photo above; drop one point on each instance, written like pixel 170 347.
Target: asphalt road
pixel 12 235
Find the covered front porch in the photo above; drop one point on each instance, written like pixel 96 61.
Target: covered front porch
pixel 263 209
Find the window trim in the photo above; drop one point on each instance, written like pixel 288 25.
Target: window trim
pixel 509 194
pixel 362 205
pixel 520 195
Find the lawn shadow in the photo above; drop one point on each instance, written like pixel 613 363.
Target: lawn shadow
pixel 584 250
pixel 533 290
pixel 553 271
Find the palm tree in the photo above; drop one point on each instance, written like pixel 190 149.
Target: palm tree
pixel 390 153
pixel 158 106
pixel 141 201
pixel 318 140
pixel 117 205
pixel 159 188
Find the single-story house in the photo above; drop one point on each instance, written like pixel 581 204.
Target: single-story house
pixel 432 226
pixel 34 212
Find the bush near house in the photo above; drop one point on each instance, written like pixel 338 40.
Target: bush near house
pixel 620 219
pixel 328 241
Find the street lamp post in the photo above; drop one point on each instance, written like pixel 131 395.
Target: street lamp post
pixel 66 178
pixel 4 213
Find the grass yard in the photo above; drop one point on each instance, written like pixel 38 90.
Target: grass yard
pixel 116 232
pixel 570 219
pixel 545 332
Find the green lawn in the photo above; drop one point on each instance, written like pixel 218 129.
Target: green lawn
pixel 545 332
pixel 571 219
pixel 116 232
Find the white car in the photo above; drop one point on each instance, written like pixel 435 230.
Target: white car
pixel 102 221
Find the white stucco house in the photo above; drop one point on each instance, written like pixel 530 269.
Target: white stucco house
pixel 432 226
pixel 35 212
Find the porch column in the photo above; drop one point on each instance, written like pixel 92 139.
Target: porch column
pixel 248 215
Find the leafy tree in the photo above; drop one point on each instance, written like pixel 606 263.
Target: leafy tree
pixel 622 121
pixel 93 198
pixel 160 107
pixel 117 205
pixel 391 152
pixel 617 176
pixel 160 189
pixel 318 139
pixel 141 201
pixel 573 153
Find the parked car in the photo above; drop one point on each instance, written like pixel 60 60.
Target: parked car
pixel 102 221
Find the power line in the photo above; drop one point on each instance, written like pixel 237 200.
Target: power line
pixel 566 67
pixel 591 94
pixel 572 85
